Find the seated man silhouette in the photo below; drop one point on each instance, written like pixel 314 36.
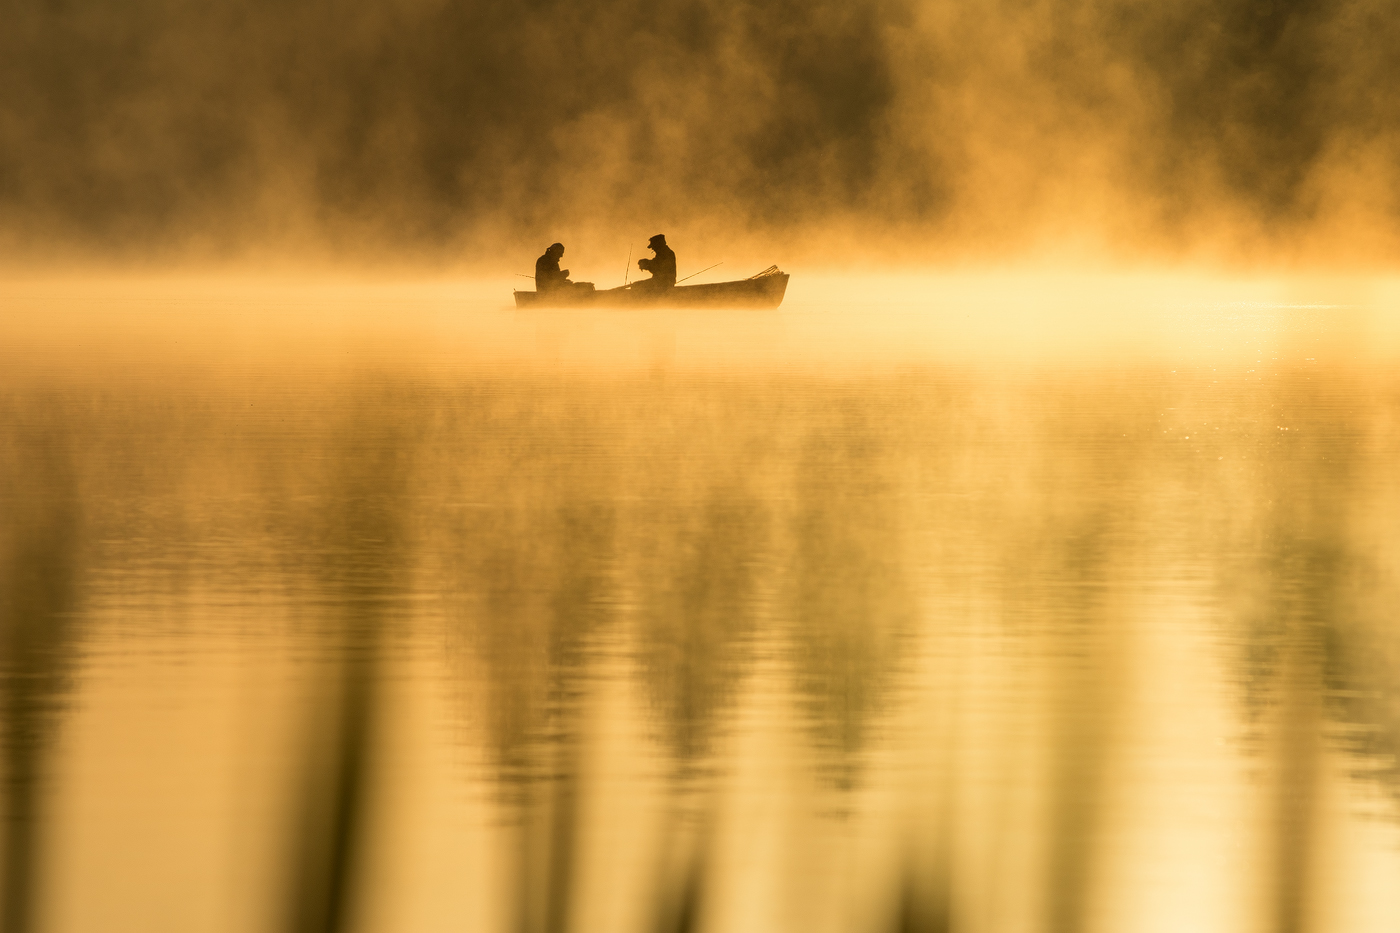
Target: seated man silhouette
pixel 549 278
pixel 662 267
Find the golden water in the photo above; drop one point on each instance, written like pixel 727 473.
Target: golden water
pixel 961 603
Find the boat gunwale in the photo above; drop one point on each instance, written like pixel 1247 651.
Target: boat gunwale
pixel 763 291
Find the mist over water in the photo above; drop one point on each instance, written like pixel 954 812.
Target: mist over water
pixel 341 609
pixel 432 132
pixel 1010 599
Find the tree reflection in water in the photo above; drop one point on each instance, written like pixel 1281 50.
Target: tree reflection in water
pixel 871 645
pixel 40 561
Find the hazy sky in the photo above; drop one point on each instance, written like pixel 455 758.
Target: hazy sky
pixel 439 129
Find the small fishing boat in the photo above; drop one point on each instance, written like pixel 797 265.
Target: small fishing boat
pixel 764 290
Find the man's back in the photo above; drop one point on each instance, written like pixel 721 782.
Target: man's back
pixel 547 273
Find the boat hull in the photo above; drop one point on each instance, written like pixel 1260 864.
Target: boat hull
pixel 764 291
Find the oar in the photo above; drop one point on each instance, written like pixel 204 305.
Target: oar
pixel 706 269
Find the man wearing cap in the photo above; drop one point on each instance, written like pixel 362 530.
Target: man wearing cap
pixel 662 267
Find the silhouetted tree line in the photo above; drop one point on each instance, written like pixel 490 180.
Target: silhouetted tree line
pixel 137 125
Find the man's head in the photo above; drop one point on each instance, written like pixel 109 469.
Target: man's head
pixel 658 240
pixel 555 250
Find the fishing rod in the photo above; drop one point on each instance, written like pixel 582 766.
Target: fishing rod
pixel 524 276
pixel 694 274
pixel 627 269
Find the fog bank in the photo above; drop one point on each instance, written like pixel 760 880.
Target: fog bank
pixel 448 132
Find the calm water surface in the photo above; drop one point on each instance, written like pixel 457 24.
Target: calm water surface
pixel 928 606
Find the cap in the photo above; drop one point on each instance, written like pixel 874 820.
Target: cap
pixel 659 238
